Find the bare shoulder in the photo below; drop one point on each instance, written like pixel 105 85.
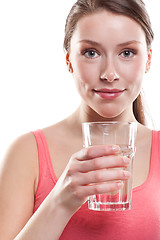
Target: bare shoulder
pixel 58 133
pixel 18 173
pixel 57 128
pixel 21 153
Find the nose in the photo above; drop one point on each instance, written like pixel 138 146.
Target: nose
pixel 109 72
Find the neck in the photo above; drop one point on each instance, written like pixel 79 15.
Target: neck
pixel 85 114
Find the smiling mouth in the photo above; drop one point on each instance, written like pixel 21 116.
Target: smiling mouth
pixel 109 93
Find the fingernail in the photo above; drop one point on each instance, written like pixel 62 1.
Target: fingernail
pixel 126 160
pixel 115 148
pixel 127 174
pixel 120 184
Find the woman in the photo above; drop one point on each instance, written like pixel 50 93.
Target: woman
pixel 108 51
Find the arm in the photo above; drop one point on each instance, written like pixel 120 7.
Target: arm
pixel 18 177
pixel 17 183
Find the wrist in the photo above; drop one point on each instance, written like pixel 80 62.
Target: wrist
pixel 57 208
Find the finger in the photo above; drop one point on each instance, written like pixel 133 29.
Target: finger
pixel 97 151
pixel 101 176
pixel 103 162
pixel 86 191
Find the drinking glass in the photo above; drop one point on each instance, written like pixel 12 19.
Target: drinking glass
pixel 117 133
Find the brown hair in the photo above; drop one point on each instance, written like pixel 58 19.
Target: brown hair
pixel 134 9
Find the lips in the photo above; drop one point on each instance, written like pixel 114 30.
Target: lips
pixel 109 94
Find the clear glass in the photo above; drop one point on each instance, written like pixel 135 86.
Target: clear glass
pixel 124 135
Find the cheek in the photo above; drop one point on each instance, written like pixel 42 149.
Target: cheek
pixel 85 73
pixel 134 73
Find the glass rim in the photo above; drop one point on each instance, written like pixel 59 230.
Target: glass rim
pixel 109 122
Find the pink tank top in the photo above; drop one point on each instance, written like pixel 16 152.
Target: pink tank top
pixel 142 222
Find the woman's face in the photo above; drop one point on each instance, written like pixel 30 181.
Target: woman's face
pixel 108 57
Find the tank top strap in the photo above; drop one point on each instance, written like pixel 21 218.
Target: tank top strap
pixel 156 150
pixel 45 164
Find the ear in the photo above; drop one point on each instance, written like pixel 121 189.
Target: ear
pixel 148 64
pixel 68 63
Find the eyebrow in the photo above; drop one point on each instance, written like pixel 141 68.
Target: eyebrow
pixel 129 42
pixel 119 45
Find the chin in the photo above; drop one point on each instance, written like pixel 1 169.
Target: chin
pixel 110 115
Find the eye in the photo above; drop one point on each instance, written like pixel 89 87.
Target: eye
pixel 90 53
pixel 128 53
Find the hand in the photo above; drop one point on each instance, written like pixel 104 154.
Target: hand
pixel 90 171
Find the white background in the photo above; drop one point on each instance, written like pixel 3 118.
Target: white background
pixel 36 89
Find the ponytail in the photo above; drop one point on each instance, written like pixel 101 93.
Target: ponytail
pixel 138 110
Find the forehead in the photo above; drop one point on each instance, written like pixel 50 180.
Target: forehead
pixel 108 27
